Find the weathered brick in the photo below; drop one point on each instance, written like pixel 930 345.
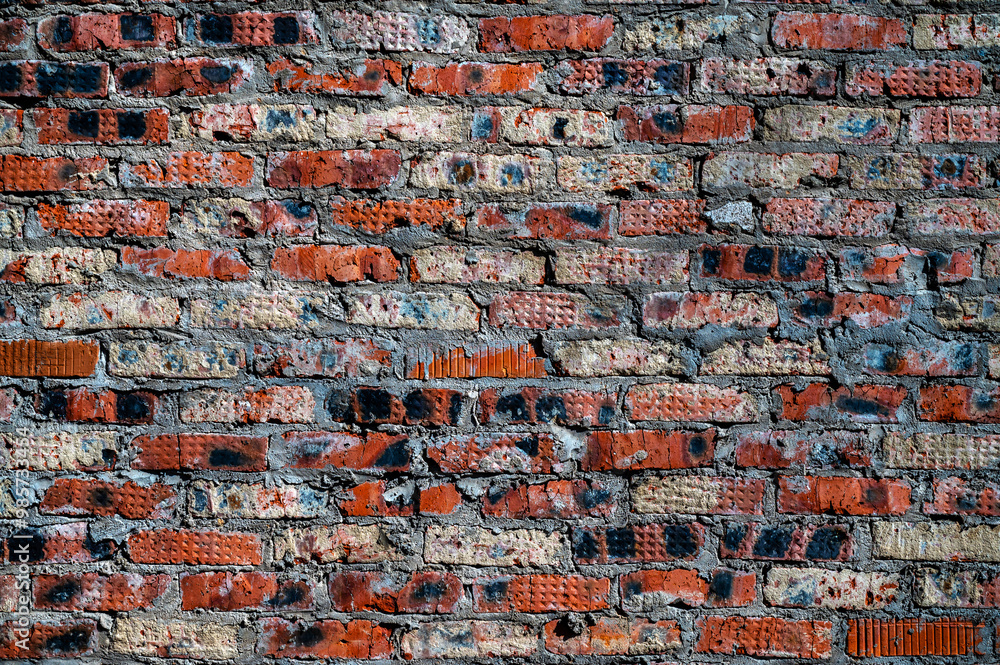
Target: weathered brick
pixel 505 360
pixel 322 357
pixel 916 78
pixel 784 449
pixel 169 452
pixel 837 32
pixel 753 169
pixel 360 169
pixel 224 265
pixel 940 588
pixel 639 543
pixel 106 32
pixel 787 542
pixel 661 217
pixel 486 173
pixel 495 453
pixel 103 126
pixel 699 495
pixel 371 78
pixel 229 592
pixel 558 499
pixel 873 638
pixel 251 122
pixel 866 310
pixel 400 31
pixel 350 543
pixel 187 76
pixel 913 171
pixel 98 219
pixel 621 172
pixel 404 123
pixel 549 310
pixel 254 501
pixel 832 589
pixel 373 452
pixel 958 404
pixel 930 359
pixel 686 311
pixel 630 77
pixel 621 356
pixel 935 541
pixel 62 450
pixel 469 639
pixel 474 546
pixel 652 590
pixel 842 496
pixel 421 311
pixel 109 310
pixel 553 32
pixel 73 80
pixel 614 636
pixel 428 592
pixel 619 266
pixel 537 405
pixel 154 638
pixel 93 592
pixel 251 29
pixel 335 263
pixel 829 217
pixel 765 637
pixel 283 404
pixel 274 311
pixel 955 31
pixel 862 403
pixel 190 169
pixel 474 78
pixel 687 124
pixel 456 265
pixel 767 76
pixel 757 263
pixel 674 33
pixel 690 402
pixel 941 451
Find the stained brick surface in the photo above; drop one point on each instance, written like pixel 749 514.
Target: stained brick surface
pixel 530 331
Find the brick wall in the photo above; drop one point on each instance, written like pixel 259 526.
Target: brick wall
pixel 641 331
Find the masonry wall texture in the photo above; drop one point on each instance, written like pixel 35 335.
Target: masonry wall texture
pixel 552 330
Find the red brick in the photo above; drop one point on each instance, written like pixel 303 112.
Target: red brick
pixel 335 263
pixel 106 32
pixel 842 496
pixel 837 32
pixel 48 639
pixel 538 405
pixel 689 588
pixel 102 126
pixel 690 311
pixel 501 361
pixel 37 358
pixel 96 498
pixel 371 500
pixel 648 449
pixel 613 636
pixel 225 264
pixel 921 78
pixel 957 496
pixel 73 80
pixel 495 453
pixel 564 221
pixel 474 78
pixel 958 404
pixel 690 402
pixel 187 76
pixel 371 78
pixel 201 548
pixel 429 592
pixel 553 32
pixel 556 499
pixel 761 263
pixel 170 452
pixel 764 637
pixel 372 452
pixel 443 499
pixel 105 406
pixel 782 449
pixel 93 592
pixel 324 639
pixel 866 310
pixel 541 593
pixel 876 638
pixel 631 77
pixel 955 124
pixel 229 592
pixel 356 169
pixel 191 169
pixel 862 404
pixel 98 219
pixel 12 34
pixel 640 543
pixel 378 217
pixel 829 217
pixel 787 542
pixel 370 405
pixel 37 174
pixel 932 358
pixel 687 124
pixel 252 29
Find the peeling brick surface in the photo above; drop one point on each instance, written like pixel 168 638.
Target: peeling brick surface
pixel 529 331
